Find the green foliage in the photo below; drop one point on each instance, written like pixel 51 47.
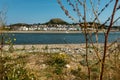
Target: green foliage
pixel 58 62
pixel 48 75
pixel 58 70
pixel 95 69
pixel 11 48
pixel 76 72
pixel 14 70
pixel 2 61
pixel 84 63
pixel 16 73
pixel 13 67
pixel 79 75
pixel 9 40
pixel 95 76
pixel 32 48
pixel 46 47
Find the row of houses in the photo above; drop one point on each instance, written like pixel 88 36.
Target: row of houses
pixel 77 27
pixel 46 28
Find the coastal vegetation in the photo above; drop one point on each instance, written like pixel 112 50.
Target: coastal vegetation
pixel 90 61
pixel 84 17
pixel 30 64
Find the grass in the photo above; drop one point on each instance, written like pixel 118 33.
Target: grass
pixel 52 66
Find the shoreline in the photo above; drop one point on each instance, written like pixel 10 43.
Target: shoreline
pixel 43 32
pixel 49 46
pixel 53 48
pixel 50 31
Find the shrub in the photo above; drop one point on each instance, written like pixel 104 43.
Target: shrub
pixel 58 62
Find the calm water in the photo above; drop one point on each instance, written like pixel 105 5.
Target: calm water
pixel 59 38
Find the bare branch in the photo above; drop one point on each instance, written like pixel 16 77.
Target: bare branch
pixel 106 40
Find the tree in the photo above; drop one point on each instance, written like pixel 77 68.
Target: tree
pixel 88 10
pixel 2 26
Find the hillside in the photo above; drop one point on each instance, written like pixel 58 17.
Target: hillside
pixel 19 24
pixel 56 21
pixel 52 21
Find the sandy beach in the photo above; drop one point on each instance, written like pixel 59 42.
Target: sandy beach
pixel 57 48
pixel 49 48
pixel 72 46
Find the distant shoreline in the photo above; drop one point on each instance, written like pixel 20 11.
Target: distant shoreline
pixel 43 31
pixel 50 31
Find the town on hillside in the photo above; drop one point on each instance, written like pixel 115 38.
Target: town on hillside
pixel 59 25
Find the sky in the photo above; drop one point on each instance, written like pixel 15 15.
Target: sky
pixel 41 11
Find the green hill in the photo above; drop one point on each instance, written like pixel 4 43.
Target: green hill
pixel 19 24
pixel 57 21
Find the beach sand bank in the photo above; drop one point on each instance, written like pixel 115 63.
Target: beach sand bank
pixel 57 48
pixel 50 48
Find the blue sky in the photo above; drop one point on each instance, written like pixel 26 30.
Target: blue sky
pixel 39 11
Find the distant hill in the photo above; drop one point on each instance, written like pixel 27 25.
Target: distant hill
pixel 52 21
pixel 19 24
pixel 57 21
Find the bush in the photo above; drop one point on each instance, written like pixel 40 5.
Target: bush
pixel 58 62
pixel 13 69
